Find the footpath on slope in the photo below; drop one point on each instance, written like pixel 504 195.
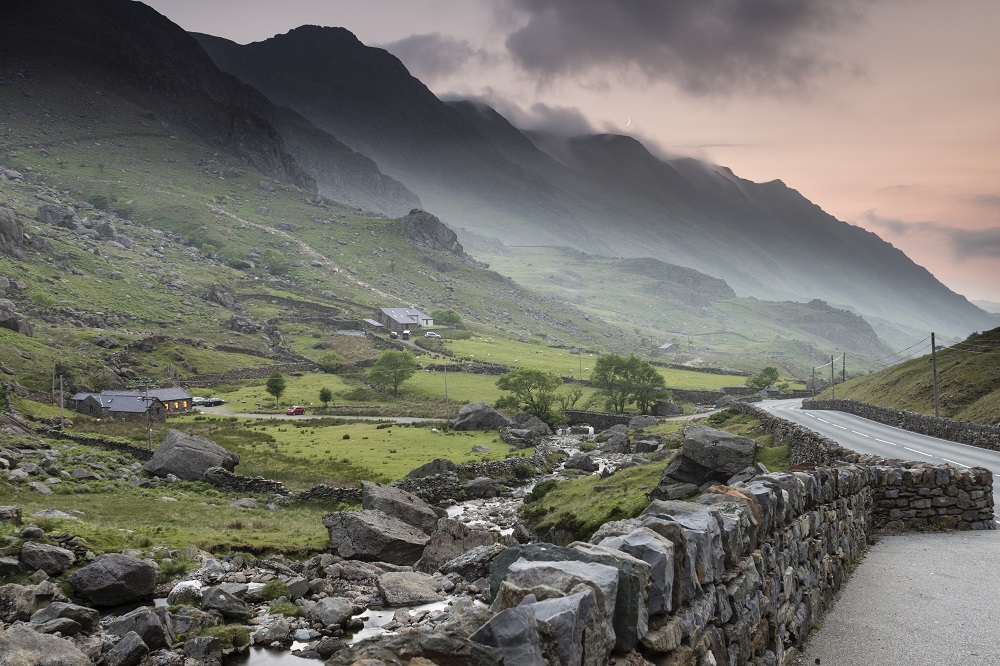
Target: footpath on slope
pixel 919 599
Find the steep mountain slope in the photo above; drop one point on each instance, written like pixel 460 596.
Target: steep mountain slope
pixel 968 382
pixel 602 194
pixel 140 54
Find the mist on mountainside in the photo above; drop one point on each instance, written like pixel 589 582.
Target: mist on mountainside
pixel 600 193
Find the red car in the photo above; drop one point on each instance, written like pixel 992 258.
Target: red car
pixel 297 410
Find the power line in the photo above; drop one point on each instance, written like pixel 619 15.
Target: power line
pixel 908 356
pixel 902 350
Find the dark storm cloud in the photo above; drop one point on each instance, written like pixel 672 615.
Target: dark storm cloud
pixel 705 46
pixel 562 121
pixel 964 243
pixel 434 56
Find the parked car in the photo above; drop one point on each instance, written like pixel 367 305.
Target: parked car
pixel 212 402
pixel 297 410
pixel 393 335
pixel 406 335
pixel 197 400
pixel 432 334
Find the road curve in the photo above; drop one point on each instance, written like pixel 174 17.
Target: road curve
pixel 864 436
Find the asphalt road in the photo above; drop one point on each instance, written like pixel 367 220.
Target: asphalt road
pixel 916 600
pixel 864 436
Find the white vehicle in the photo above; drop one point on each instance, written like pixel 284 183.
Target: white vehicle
pixel 432 334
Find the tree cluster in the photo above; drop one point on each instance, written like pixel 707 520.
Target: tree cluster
pixel 624 380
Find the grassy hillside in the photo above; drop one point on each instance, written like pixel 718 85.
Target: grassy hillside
pixel 701 315
pixel 968 382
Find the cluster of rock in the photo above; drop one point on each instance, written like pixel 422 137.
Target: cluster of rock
pixel 707 456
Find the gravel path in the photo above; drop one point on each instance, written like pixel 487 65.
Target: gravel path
pixel 916 600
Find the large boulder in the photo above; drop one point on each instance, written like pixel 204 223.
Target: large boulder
pixel 229 605
pixel 399 504
pixel 372 535
pixel 707 456
pixel 20 602
pixel 480 416
pixel 22 646
pixel 145 623
pixel 131 650
pixel 475 563
pixel 53 560
pixel 114 579
pixel 451 539
pixel 189 457
pixel 60 216
pixel 331 611
pixel 433 647
pixel 407 588
pixel 86 618
pixel 433 468
pixel 531 423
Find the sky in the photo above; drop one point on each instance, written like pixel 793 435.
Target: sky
pixel 886 113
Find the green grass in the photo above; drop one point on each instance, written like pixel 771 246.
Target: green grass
pixel 968 382
pixel 582 505
pixel 117 516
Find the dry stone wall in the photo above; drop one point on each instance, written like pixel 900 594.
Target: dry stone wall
pixel 907 495
pixel 973 434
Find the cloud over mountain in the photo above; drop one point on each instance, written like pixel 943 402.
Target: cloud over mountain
pixel 434 56
pixel 704 46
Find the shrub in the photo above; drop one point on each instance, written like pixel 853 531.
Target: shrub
pixel 288 610
pixel 229 635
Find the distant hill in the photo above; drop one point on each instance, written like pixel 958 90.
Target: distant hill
pixel 603 194
pixel 968 382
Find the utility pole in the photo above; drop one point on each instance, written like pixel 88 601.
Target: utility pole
pixel 813 384
pixel 579 353
pixel 843 371
pixel 62 409
pixel 833 384
pixel 934 372
pixel 446 383
pixel 149 417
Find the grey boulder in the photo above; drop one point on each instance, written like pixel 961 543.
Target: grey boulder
pixel 398 504
pixel 189 457
pixel 22 646
pixel 373 535
pixel 53 560
pixel 407 588
pixel 114 579
pixel 480 416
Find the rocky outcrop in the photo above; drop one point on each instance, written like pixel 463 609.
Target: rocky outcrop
pixel 13 320
pixel 422 228
pixel 11 232
pixel 188 457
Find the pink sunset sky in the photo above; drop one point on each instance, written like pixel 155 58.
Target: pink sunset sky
pixel 886 113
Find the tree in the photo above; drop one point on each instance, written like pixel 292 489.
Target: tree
pixel 763 379
pixel 275 386
pixel 448 317
pixel 325 396
pixel 392 369
pixel 530 390
pixel 624 380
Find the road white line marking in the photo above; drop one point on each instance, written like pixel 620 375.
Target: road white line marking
pixel 823 420
pixel 860 433
pixel 837 426
pixel 886 442
pixel 955 463
pixel 918 452
pixel 812 416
